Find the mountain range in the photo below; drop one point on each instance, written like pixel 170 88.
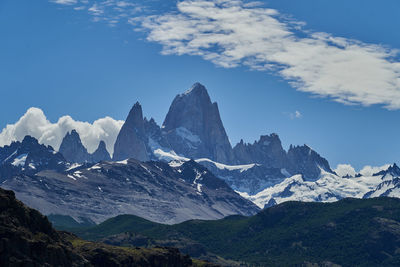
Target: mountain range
pixel 189 158
pixel 193 129
pixel 153 190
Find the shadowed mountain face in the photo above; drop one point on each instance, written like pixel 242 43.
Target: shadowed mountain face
pixel 194 128
pixel 28 157
pixel 28 239
pixel 101 153
pixel 267 151
pixel 72 148
pixel 153 190
pixel 132 140
pixel 303 160
pixel 74 152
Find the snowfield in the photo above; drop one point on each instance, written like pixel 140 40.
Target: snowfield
pixel 329 187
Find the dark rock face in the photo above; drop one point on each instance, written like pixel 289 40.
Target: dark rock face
pixel 101 153
pixel 28 239
pixel 156 139
pixel 132 140
pixel 72 148
pixel 29 157
pixel 74 151
pixel 275 163
pixel 393 170
pixel 267 151
pixel 194 128
pixel 303 160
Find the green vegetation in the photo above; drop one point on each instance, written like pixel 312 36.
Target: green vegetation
pixel 351 232
pixel 63 222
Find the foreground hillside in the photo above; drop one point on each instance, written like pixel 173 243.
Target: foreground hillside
pixel 350 232
pixel 28 239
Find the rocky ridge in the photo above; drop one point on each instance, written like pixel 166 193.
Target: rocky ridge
pixel 153 190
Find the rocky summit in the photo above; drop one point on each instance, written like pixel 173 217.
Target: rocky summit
pixel 72 148
pixel 101 153
pixel 194 128
pixel 131 141
pixel 28 157
pixel 75 152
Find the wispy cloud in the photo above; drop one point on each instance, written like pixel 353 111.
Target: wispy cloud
pixel 64 2
pixel 296 115
pixel 232 33
pixel 293 115
pixel 110 11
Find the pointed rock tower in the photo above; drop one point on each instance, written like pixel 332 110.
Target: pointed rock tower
pixel 72 148
pixel 194 128
pixel 131 141
pixel 101 153
pixel 305 161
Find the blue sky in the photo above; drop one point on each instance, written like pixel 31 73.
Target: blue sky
pixel 79 63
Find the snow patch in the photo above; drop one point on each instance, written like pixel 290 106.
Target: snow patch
pixel 94 167
pixel 9 157
pixel 20 160
pixel 187 135
pixel 32 166
pixel 241 168
pixel 72 177
pixel 125 162
pixel 73 166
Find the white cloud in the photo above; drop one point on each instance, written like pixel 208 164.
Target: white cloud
pixel 231 33
pixel 96 10
pixel 65 2
pixel 35 123
pixel 295 115
pixel 345 169
pixel 109 11
pixel 370 170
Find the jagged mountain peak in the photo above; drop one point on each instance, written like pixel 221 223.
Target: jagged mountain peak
pixel 197 89
pixel 28 156
pixel 131 140
pixel 135 116
pixel 393 170
pixel 304 160
pixel 267 151
pixel 101 153
pixel 194 128
pixel 72 148
pixel 29 140
pixel 267 140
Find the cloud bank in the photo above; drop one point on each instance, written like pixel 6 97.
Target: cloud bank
pixel 347 169
pixel 231 33
pixel 35 123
